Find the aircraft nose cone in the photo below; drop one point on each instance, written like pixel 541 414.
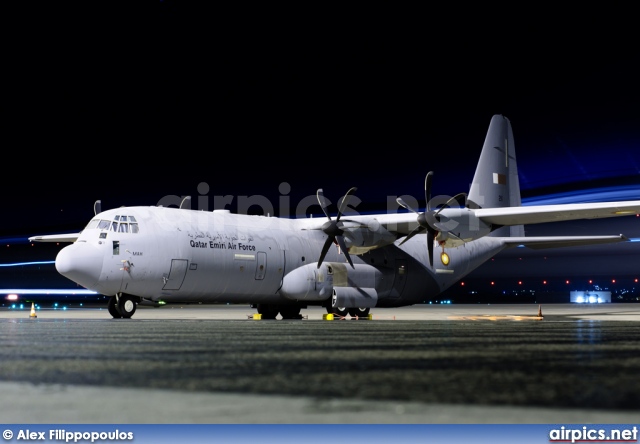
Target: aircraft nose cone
pixel 80 262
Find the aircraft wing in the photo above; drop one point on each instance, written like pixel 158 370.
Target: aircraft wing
pixel 399 223
pixel 71 237
pixel 541 242
pixel 537 214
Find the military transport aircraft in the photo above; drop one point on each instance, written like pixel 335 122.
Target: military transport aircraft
pixel 347 263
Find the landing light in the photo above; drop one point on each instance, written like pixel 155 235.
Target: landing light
pixel 444 257
pixel 12 297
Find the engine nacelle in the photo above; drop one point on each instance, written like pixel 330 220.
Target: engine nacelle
pixel 463 224
pixel 354 297
pixel 367 235
pixel 310 283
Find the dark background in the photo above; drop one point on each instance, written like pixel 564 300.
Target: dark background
pixel 132 104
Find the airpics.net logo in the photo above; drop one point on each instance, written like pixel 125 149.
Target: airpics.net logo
pixel 260 203
pixel 587 434
pixel 308 205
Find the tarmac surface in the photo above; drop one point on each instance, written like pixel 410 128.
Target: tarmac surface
pixel 427 364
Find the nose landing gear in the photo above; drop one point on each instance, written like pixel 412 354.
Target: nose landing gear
pixel 122 306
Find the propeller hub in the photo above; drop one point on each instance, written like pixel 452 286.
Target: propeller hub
pixel 332 228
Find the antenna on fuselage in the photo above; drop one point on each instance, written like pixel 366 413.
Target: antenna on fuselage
pixel 97 207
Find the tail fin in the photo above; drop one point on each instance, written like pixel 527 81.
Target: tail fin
pixel 495 183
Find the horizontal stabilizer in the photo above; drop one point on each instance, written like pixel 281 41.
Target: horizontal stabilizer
pixel 71 237
pixel 541 242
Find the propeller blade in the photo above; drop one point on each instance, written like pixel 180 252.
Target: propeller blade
pixel 427 189
pixel 417 230
pixel 323 201
pixel 343 248
pixel 325 248
pixel 344 201
pixel 334 228
pixel 404 205
pixel 430 237
pixel 455 198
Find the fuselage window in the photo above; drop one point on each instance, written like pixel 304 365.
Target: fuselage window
pixel 124 228
pixel 116 248
pixel 123 218
pixel 117 218
pixel 114 226
pixel 104 224
pixel 132 219
pixel 133 228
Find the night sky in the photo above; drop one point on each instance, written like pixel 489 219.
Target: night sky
pixel 129 106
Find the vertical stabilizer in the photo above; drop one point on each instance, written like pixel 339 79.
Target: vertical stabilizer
pixel 495 183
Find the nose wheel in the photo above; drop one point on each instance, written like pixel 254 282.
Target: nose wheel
pixel 122 306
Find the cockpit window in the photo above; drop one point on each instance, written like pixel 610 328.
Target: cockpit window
pixel 104 224
pixel 119 227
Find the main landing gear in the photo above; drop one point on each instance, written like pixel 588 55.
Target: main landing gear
pixel 122 306
pixel 354 312
pixel 270 311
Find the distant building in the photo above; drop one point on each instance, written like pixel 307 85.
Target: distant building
pixel 590 297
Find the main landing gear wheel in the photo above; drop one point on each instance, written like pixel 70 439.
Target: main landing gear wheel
pixel 113 309
pixel 126 306
pixel 359 312
pixel 268 311
pixel 340 311
pixel 290 312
